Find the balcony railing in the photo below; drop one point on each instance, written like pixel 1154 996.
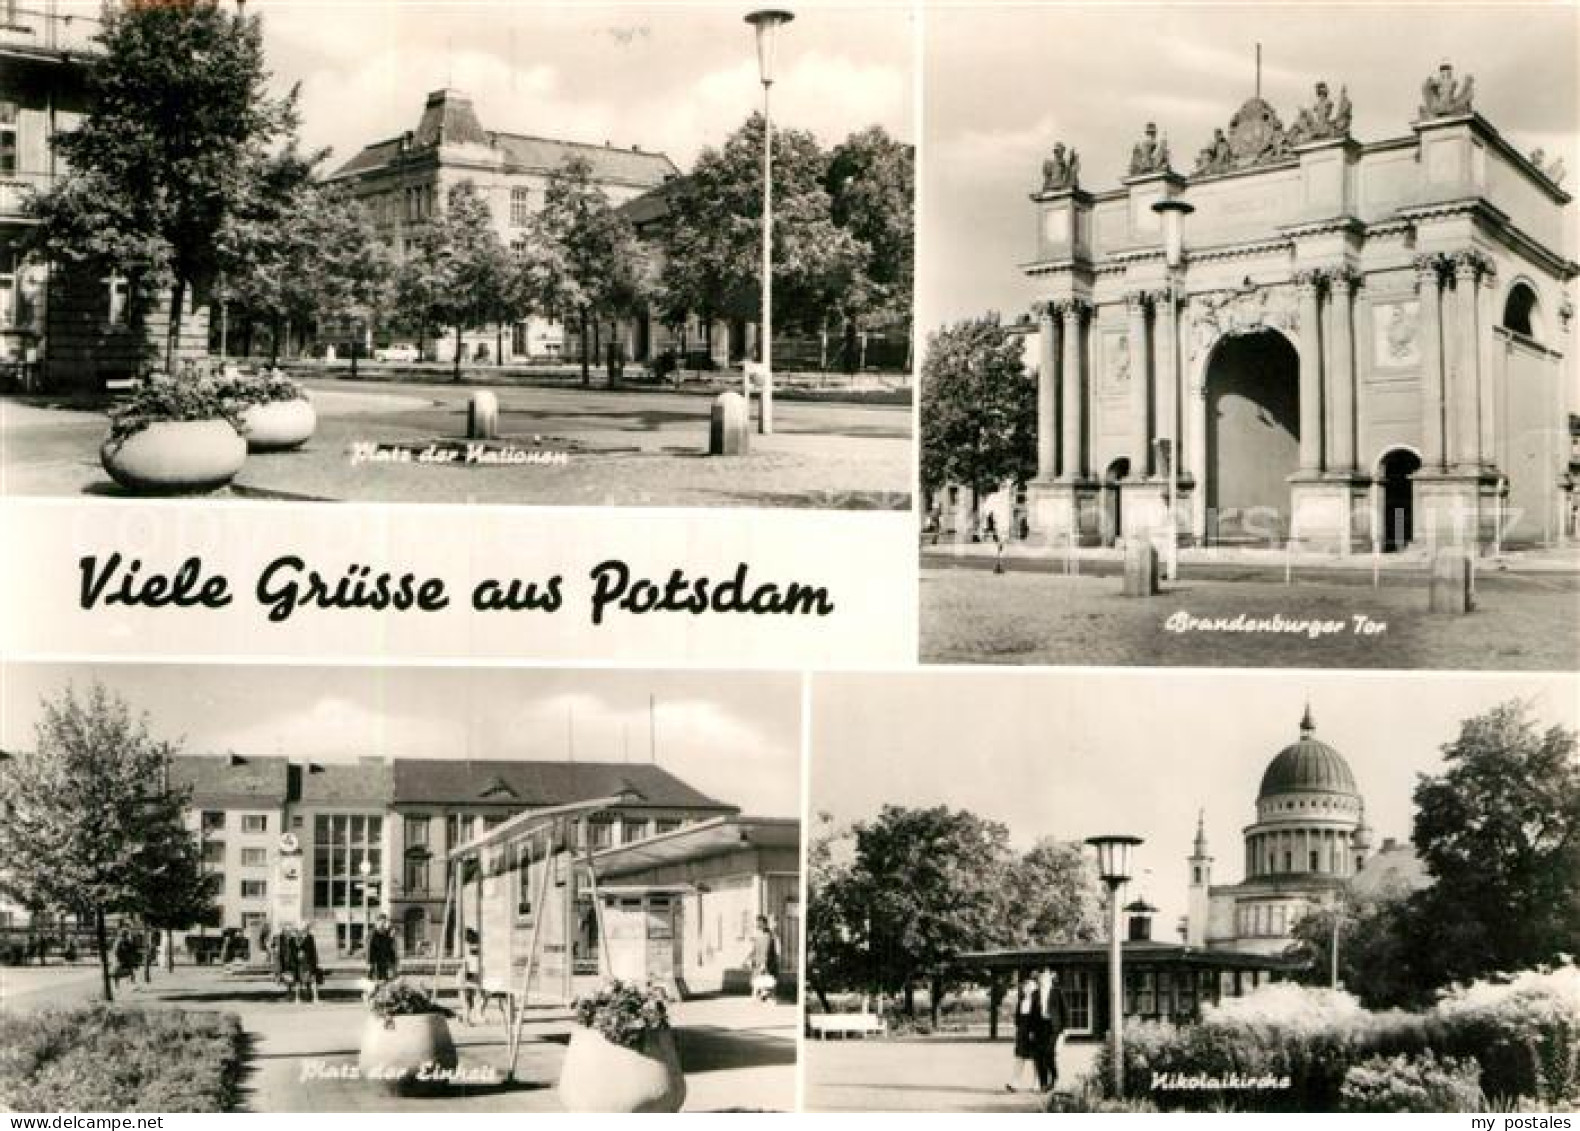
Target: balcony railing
pixel 52 29
pixel 15 188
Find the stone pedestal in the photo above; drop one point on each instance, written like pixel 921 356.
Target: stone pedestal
pixel 1141 569
pixel 1330 514
pixel 729 430
pixel 1454 509
pixel 482 416
pixel 1452 587
pixel 1144 513
pixel 1062 509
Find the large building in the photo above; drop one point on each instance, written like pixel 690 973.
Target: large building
pixel 404 181
pixel 1356 343
pixel 334 845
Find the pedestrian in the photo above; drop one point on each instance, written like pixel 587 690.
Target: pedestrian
pixel 469 978
pixel 1026 1016
pixel 1050 1028
pixel 764 961
pixel 124 954
pixel 309 975
pixel 382 959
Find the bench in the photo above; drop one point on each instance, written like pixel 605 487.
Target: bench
pixel 845 1025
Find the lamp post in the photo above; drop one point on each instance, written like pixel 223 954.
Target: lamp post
pixel 1173 212
pixel 1113 868
pixel 365 869
pixel 766 22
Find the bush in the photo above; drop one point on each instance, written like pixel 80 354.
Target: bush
pixel 401 998
pixel 1522 1030
pixel 624 1012
pixel 266 386
pixel 161 398
pixel 101 1058
pixel 1412 1083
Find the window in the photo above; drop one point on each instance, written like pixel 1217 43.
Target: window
pixel 633 831
pixel 254 823
pixel 253 919
pixel 119 313
pixel 213 852
pixel 520 207
pixel 1165 993
pixel 341 842
pixel 417 874
pixel 254 857
pixel 1316 857
pixel 213 821
pixel 1078 1000
pixel 667 825
pixel 254 889
pixel 9 315
pixel 8 137
pixel 417 832
pixel 600 834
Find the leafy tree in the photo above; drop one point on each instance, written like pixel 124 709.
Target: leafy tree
pixel 712 240
pixel 182 143
pixel 456 272
pixel 1055 896
pixel 1499 832
pixel 832 961
pixel 978 411
pixel 1379 943
pixel 89 823
pixel 871 183
pixel 579 256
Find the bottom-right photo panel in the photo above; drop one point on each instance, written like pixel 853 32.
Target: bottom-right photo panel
pixel 1191 890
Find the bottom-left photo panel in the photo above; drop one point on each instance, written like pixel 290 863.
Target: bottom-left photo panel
pixel 292 888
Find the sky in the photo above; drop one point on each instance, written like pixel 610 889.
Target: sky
pixel 1072 754
pixel 668 77
pixel 735 736
pixel 1002 84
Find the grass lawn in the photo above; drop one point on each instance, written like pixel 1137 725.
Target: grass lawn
pixel 1522 622
pixel 105 1058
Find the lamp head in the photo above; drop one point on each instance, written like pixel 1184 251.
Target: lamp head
pixel 767 21
pixel 1113 856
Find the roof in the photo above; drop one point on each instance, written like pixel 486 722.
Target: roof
pixel 652 205
pixel 1393 870
pixel 232 780
pixel 366 782
pixel 445 781
pixel 1069 954
pixel 1307 765
pixel 698 842
pixel 449 118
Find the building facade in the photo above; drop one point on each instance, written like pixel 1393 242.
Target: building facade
pixel 1351 344
pixel 332 846
pixel 404 181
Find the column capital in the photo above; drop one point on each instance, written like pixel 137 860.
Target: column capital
pixel 1159 297
pixel 1345 278
pixel 1072 308
pixel 1310 280
pixel 1429 267
pixel 1044 311
pixel 1136 302
pixel 1469 264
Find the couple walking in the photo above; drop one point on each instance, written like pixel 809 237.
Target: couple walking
pixel 1039 1025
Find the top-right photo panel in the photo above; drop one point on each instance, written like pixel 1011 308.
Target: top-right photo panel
pixel 1249 337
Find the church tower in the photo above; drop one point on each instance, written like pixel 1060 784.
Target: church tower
pixel 1197 903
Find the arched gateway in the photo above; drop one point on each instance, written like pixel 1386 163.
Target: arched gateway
pixel 1327 300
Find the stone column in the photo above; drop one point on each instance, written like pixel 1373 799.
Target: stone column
pixel 1307 284
pixel 1431 349
pixel 1486 318
pixel 1047 414
pixel 1165 392
pixel 1140 434
pixel 1341 373
pixel 1072 453
pixel 1464 400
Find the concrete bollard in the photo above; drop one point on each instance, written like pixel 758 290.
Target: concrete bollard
pixel 1452 587
pixel 482 416
pixel 729 432
pixel 1141 568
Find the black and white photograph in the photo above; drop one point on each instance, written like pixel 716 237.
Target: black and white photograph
pixel 1249 336
pixel 457 252
pixel 410 890
pixel 1326 893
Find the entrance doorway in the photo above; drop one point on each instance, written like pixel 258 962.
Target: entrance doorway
pixel 415 931
pixel 1396 469
pixel 1253 436
pixel 1113 501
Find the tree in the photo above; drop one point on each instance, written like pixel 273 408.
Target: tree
pixel 89 823
pixel 180 145
pixel 456 273
pixel 978 411
pixel 579 256
pixel 871 183
pixel 1499 832
pixel 1379 948
pixel 712 239
pixel 833 962
pixel 1055 895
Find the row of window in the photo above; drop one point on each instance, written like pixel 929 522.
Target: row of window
pixel 9 133
pixel 216 821
pixel 420 202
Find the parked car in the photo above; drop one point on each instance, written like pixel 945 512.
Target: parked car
pixel 400 351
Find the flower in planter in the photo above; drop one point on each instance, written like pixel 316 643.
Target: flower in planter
pixel 624 1013
pixel 401 998
pixel 160 399
pixel 266 386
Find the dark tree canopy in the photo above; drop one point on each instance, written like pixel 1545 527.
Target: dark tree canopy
pixel 979 409
pixel 456 272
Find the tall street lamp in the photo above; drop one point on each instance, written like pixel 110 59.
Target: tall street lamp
pixel 1173 211
pixel 767 22
pixel 1114 868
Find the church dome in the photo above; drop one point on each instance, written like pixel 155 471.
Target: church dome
pixel 1307 765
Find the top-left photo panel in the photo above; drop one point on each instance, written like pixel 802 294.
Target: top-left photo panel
pixel 457 253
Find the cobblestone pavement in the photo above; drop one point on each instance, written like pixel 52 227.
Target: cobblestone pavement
pixel 1522 622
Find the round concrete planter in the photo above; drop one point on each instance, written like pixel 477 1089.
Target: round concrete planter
pixel 176 457
pixel 407 1055
pixel 599 1075
pixel 278 426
